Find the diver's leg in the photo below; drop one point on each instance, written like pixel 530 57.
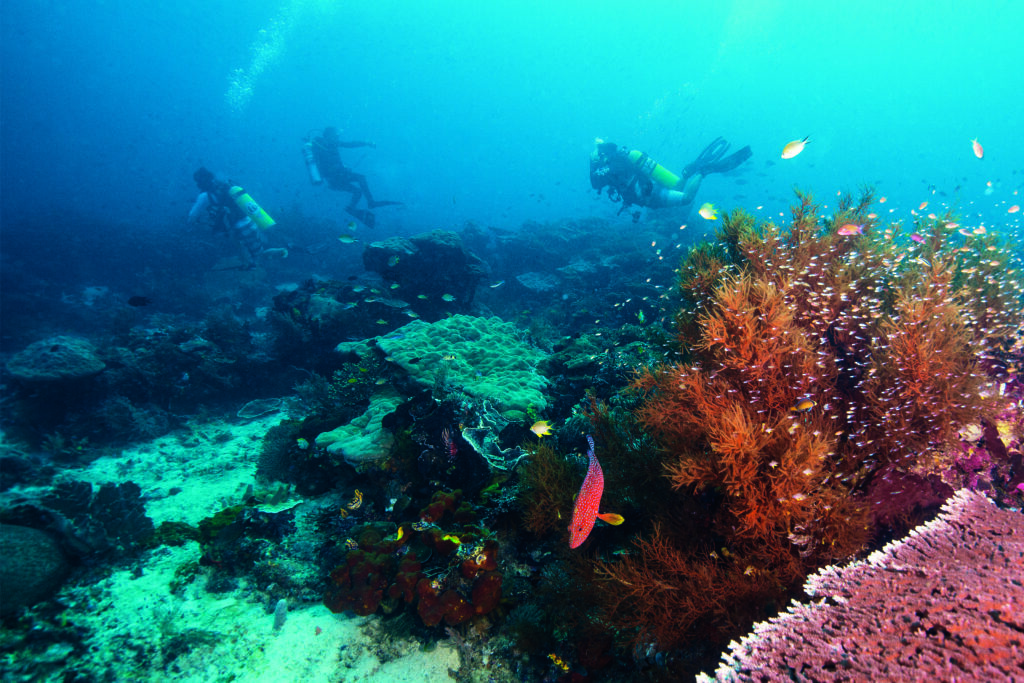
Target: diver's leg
pixel 687 191
pixel 370 201
pixel 356 193
pixel 249 237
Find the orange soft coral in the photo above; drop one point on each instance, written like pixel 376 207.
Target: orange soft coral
pixel 814 358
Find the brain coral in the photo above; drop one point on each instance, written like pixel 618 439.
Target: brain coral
pixel 484 356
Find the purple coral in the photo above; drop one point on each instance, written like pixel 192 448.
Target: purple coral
pixel 944 603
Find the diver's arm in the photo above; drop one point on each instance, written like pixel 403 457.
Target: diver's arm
pixel 201 205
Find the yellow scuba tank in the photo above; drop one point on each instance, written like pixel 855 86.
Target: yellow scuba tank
pixel 251 209
pixel 653 170
pixel 314 171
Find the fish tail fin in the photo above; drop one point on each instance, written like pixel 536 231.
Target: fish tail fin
pixel 611 518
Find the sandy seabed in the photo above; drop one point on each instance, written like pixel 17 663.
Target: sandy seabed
pixel 134 620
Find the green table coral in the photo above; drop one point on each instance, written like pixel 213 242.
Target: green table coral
pixel 483 356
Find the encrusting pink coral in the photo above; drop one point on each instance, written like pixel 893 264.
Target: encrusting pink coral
pixel 941 604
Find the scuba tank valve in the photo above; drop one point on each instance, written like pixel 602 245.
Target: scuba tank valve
pixel 251 209
pixel 311 167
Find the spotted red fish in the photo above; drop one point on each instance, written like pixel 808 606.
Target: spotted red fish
pixel 587 502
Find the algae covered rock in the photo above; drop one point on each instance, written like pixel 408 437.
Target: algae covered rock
pixel 483 356
pixel 431 264
pixel 56 359
pixel 364 439
pixel 32 567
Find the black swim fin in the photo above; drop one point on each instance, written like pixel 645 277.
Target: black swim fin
pixel 363 216
pixel 728 163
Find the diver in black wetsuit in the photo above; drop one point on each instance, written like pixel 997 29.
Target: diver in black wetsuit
pixel 342 178
pixel 633 178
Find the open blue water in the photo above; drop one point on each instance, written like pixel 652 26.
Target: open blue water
pixel 488 111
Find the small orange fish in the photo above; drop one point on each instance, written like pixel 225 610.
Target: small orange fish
pixel 882 200
pixel 923 204
pixel 851 229
pixel 1013 209
pixel 541 428
pixel 793 148
pixel 979 151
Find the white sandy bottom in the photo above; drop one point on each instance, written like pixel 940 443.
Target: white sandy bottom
pixel 142 631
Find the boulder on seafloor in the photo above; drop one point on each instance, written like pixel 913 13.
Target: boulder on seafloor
pixel 32 567
pixel 56 359
pixel 431 265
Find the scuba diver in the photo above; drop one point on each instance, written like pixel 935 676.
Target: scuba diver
pixel 634 178
pixel 232 211
pixel 324 163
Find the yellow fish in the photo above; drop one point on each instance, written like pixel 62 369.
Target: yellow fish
pixel 707 211
pixel 793 148
pixel 803 405
pixel 356 501
pixel 559 662
pixel 541 428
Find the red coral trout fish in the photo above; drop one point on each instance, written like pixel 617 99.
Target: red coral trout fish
pixel 587 502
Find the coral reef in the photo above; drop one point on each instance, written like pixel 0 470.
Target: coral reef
pixel 546 488
pixel 485 357
pixel 429 266
pixel 364 440
pixel 451 574
pixel 943 602
pixel 820 369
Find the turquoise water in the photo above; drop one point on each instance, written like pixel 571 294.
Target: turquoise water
pixel 480 113
pixel 488 111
